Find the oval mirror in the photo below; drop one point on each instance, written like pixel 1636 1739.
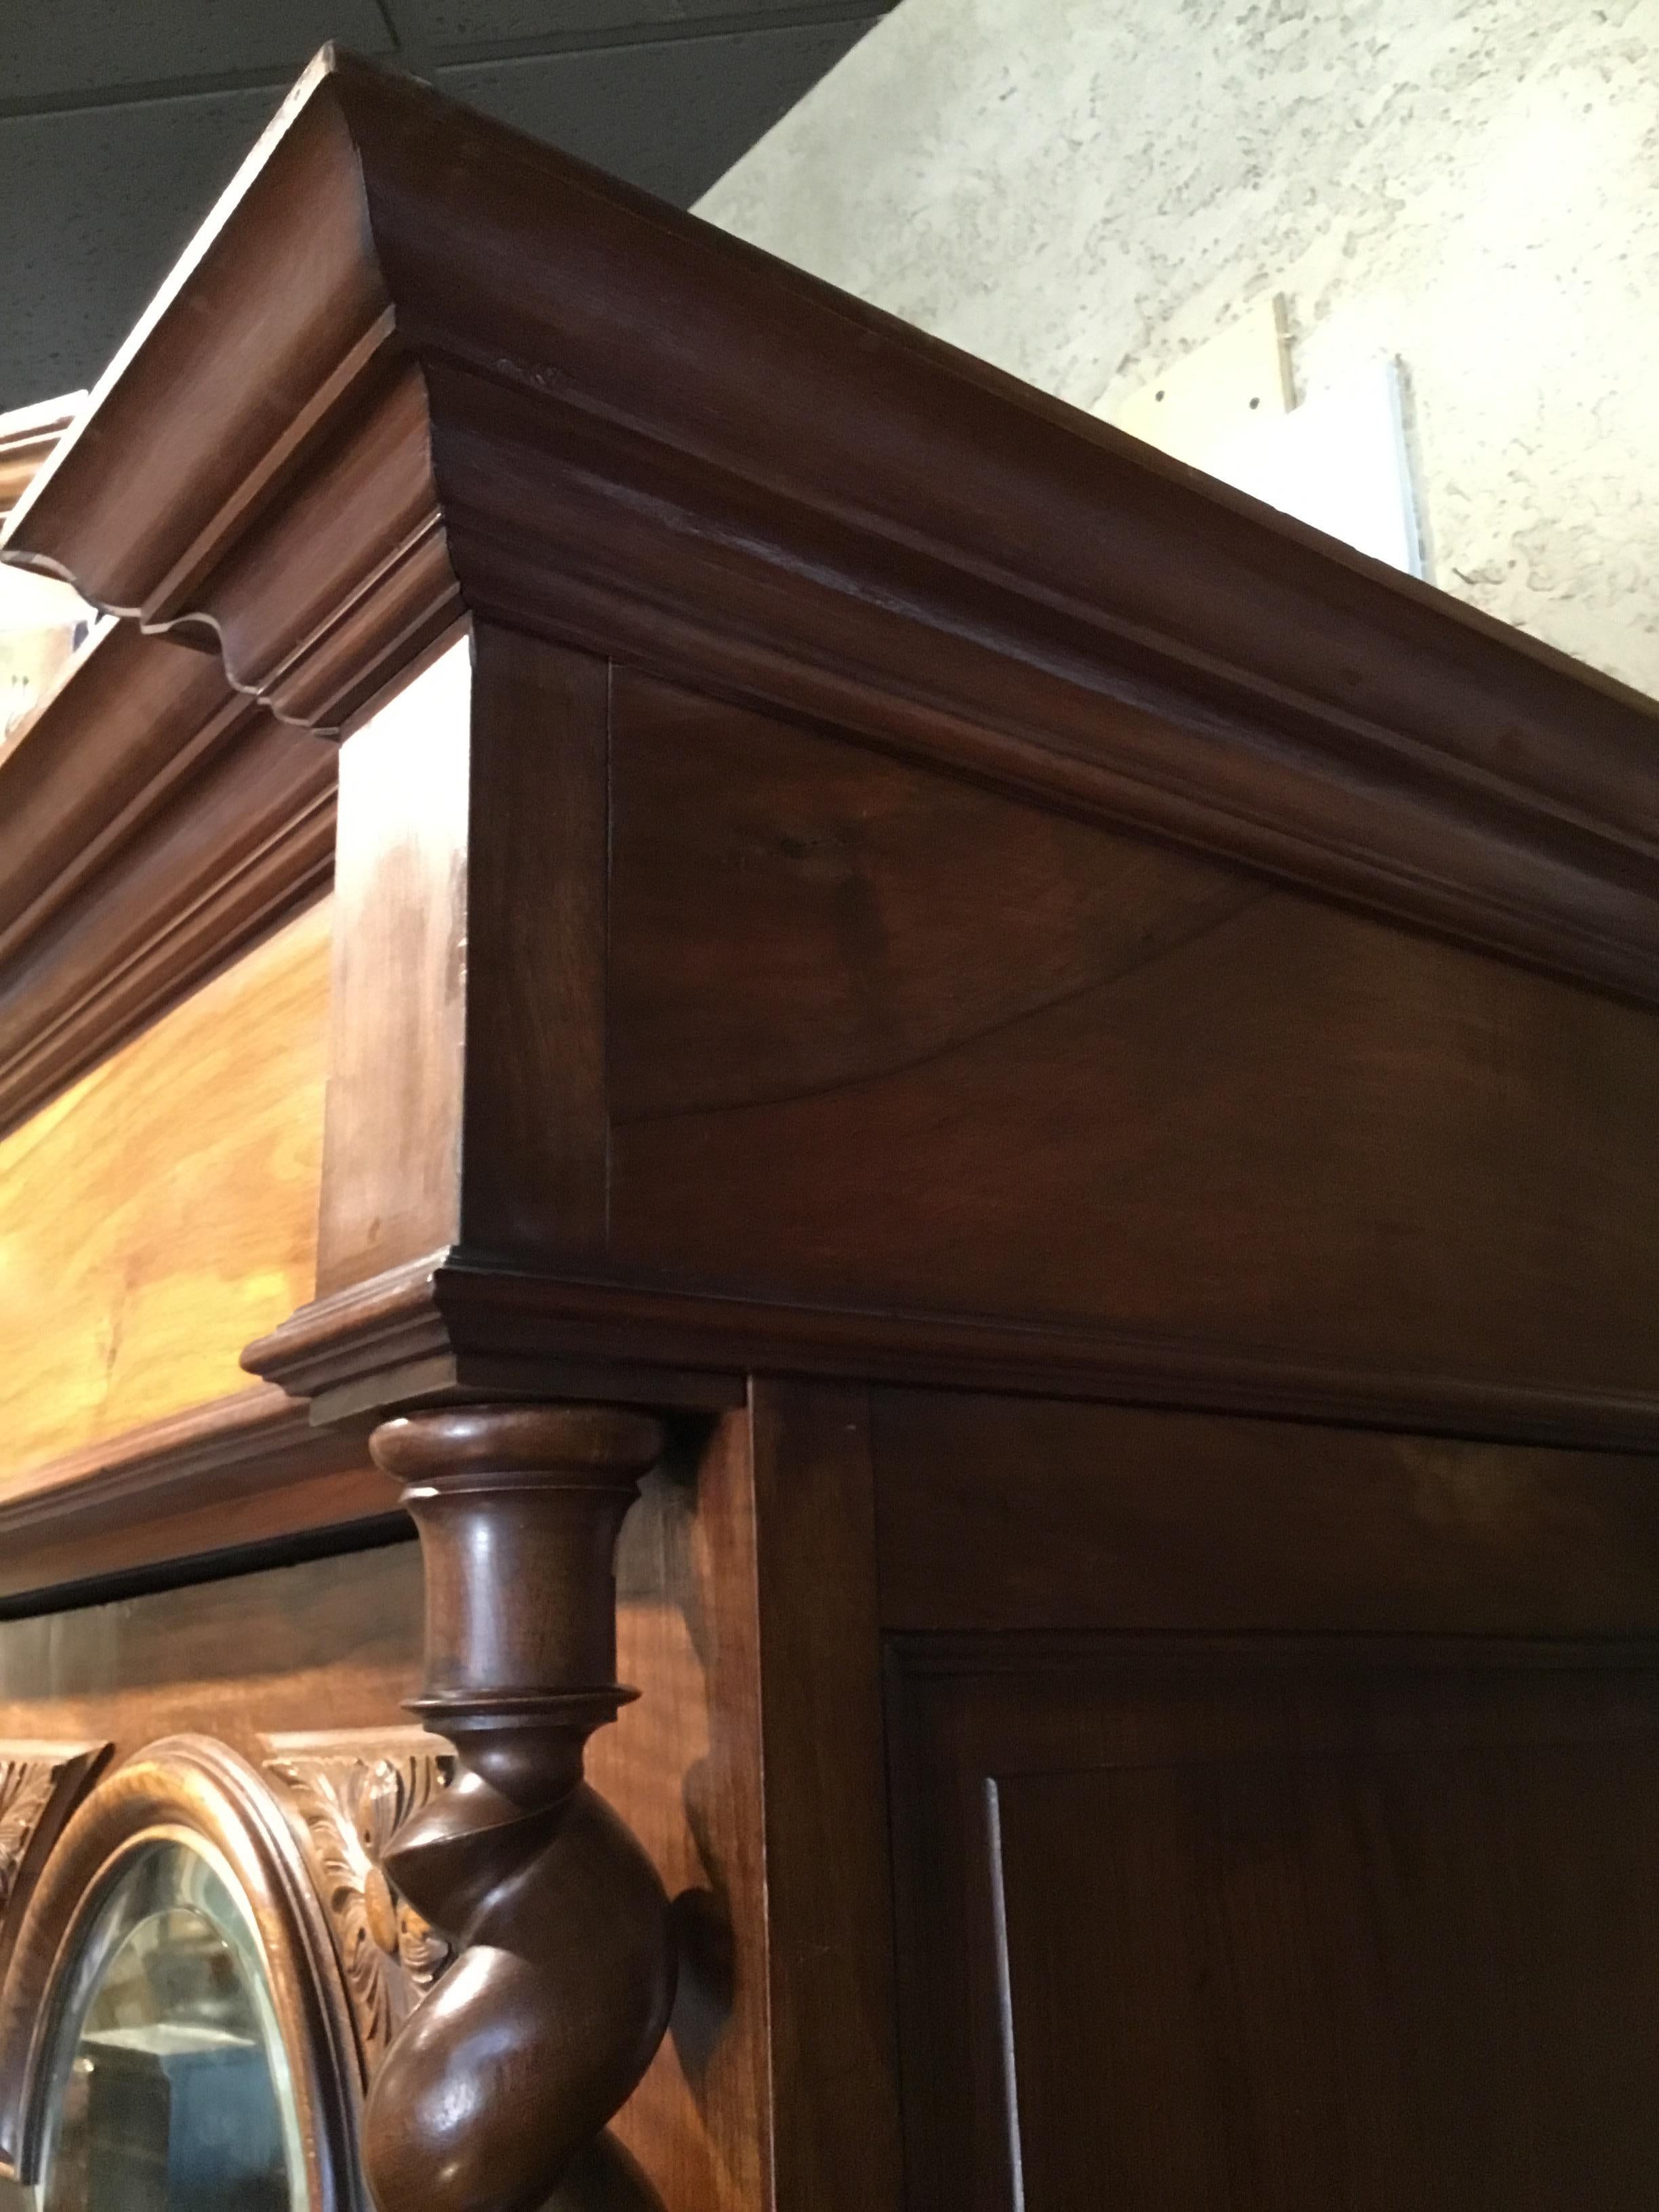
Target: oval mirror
pixel 167 2083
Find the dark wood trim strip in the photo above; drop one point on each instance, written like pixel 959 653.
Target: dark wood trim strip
pixel 835 2134
pixel 454 1326
pixel 806 504
pixel 241 1471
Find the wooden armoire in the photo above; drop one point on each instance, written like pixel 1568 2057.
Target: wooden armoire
pixel 980 1116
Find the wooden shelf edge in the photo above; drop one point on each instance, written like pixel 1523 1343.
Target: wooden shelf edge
pixel 242 1473
pixel 453 1326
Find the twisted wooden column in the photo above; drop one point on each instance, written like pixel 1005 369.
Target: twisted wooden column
pixel 561 1990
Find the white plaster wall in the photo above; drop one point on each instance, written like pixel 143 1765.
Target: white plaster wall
pixel 1080 190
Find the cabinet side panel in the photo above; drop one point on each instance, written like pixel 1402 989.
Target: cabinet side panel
pixel 163 1210
pixel 835 2061
pixel 939 1051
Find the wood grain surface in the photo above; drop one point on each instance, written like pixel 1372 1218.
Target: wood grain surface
pixel 336 1638
pixel 885 1042
pixel 164 1210
pixel 1214 1926
pixel 180 1494
pixel 1006 1515
pixel 152 824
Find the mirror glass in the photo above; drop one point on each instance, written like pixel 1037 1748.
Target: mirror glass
pixel 169 2087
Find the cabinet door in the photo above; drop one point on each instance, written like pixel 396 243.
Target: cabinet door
pixel 1285 1925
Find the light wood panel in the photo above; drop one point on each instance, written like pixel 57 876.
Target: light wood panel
pixel 164 1210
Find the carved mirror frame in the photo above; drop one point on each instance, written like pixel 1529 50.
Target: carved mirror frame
pixel 195 1790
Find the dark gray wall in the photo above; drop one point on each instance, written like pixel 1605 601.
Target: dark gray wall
pixel 121 120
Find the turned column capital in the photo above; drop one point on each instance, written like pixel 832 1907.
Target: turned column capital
pixel 560 1443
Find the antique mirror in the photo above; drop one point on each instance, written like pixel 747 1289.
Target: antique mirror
pixel 185 2037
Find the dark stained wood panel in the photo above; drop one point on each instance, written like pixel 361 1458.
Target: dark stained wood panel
pixel 883 1040
pixel 333 1642
pixel 1226 1927
pixel 835 2125
pixel 1373 1982
pixel 1005 1513
pixel 794 915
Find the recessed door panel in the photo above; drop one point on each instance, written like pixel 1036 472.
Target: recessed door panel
pixel 1253 1928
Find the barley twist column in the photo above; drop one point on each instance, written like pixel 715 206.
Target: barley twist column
pixel 562 1989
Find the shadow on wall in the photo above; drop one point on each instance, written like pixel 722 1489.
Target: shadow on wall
pixel 113 149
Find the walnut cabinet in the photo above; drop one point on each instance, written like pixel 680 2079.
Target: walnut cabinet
pixel 828 1234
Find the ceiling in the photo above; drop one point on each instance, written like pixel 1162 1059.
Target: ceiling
pixel 121 120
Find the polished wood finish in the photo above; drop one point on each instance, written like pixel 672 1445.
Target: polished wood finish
pixel 237 1658
pixel 153 825
pixel 244 1470
pixel 472 868
pixel 1000 1515
pixel 1132 1092
pixel 1218 1925
pixel 564 1981
pixel 1081 1057
pixel 835 2138
pixel 164 1208
pixel 1140 1126
pixel 683 1765
pixel 462 394
pixel 746 1611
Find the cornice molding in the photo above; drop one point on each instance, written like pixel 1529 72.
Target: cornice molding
pixel 418 365
pixel 455 1327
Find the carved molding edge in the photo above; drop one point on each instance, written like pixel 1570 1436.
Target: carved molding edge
pixel 349 1791
pixel 41 1785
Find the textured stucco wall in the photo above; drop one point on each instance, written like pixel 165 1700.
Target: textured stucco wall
pixel 1081 191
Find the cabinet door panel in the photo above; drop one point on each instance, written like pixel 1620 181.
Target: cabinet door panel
pixel 1257 1928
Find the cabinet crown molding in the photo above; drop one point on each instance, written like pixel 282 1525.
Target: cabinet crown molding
pixel 416 366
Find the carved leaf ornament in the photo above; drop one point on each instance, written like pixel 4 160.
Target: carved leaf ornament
pixel 352 1792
